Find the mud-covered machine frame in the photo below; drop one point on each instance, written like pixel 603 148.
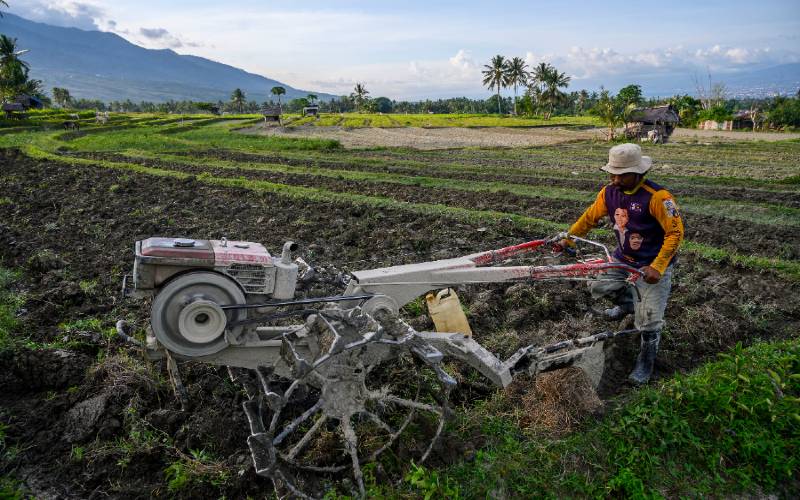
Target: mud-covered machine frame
pixel 230 303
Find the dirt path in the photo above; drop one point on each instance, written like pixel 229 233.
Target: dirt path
pixel 435 138
pixel 458 137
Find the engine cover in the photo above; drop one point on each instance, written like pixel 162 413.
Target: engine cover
pixel 159 259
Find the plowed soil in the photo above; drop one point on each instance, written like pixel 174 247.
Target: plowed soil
pixel 738 236
pixel 71 230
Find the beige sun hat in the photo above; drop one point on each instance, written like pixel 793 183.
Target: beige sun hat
pixel 627 158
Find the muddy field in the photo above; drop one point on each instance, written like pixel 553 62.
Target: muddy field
pixel 88 418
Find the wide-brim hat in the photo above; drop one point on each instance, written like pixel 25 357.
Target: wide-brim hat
pixel 627 158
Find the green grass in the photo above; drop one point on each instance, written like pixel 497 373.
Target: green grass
pixel 10 302
pixel 731 427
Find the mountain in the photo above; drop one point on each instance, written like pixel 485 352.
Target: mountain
pixel 105 66
pixel 754 81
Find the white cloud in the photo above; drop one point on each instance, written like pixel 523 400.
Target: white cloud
pixel 161 38
pixel 67 13
pixel 598 62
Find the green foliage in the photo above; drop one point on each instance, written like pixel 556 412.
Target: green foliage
pixel 609 112
pixel 428 484
pixel 632 94
pixel 10 302
pixel 717 113
pixel 383 104
pixel 730 427
pixel 785 113
pixel 11 489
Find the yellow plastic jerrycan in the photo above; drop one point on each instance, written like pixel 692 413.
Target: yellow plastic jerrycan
pixel 445 310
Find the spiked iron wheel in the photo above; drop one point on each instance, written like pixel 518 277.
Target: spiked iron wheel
pixel 186 315
pixel 357 388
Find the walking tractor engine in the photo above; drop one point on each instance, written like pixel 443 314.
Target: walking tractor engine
pixel 194 282
pixel 343 368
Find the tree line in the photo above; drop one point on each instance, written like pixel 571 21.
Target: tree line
pixel 542 84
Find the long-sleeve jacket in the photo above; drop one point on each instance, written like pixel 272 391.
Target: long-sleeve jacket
pixel 647 223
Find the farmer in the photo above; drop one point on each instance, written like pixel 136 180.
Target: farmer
pixel 649 230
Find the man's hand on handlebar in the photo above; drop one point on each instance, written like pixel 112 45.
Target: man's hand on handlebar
pixel 565 244
pixel 650 275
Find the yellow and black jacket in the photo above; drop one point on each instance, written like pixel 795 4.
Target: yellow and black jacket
pixel 646 220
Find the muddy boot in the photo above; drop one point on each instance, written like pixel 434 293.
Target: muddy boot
pixel 647 358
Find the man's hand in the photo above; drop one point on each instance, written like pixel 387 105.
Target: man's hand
pixel 565 245
pixel 651 276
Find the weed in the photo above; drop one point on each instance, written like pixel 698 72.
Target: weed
pixel 197 468
pixel 429 485
pixel 77 453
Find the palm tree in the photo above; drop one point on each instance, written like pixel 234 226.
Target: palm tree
pixel 548 80
pixel 359 94
pixel 312 98
pixel 4 4
pixel 516 74
pixel 238 99
pixel 278 91
pixel 607 110
pixel 13 70
pixel 580 103
pixel 61 96
pixel 495 76
pixel 556 81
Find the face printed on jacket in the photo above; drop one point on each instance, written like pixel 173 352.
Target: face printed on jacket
pixel 620 218
pixel 635 241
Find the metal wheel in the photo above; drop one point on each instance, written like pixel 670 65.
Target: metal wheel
pixel 358 387
pixel 186 315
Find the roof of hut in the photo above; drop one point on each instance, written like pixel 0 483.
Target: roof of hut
pixel 661 114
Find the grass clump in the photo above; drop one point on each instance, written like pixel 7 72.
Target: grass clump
pixel 732 426
pixel 10 302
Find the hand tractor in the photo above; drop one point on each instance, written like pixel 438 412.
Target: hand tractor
pixel 343 372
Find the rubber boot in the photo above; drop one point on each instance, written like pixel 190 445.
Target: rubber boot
pixel 647 358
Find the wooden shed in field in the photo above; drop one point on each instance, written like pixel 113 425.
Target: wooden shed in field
pixel 271 114
pixel 655 124
pixel 17 107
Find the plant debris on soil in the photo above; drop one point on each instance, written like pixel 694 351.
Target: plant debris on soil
pixel 87 417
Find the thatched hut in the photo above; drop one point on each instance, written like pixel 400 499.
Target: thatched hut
pixel 17 107
pixel 655 124
pixel 271 114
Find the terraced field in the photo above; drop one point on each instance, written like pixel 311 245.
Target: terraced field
pixel 73 203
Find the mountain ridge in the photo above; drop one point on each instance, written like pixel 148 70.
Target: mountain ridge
pixel 105 66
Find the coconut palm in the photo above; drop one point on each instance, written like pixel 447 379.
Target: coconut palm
pixel 238 99
pixel 312 98
pixel 548 80
pixel 61 96
pixel 13 70
pixel 278 91
pixel 359 95
pixel 494 76
pixel 580 102
pixel 516 74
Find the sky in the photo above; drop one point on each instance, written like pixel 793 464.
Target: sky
pixel 413 49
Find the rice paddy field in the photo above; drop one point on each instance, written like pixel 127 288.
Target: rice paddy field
pixel 722 417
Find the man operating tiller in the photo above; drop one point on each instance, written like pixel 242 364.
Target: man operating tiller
pixel 649 231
